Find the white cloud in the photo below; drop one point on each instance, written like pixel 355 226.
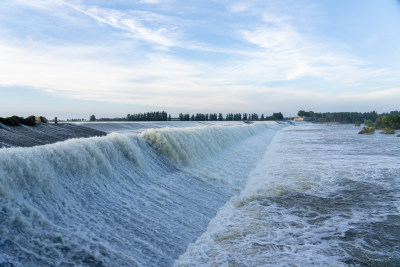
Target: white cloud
pixel 39 4
pixel 273 50
pixel 160 30
pixel 392 94
pixel 156 79
pixel 129 23
pixel 150 1
pixel 239 7
pixel 283 53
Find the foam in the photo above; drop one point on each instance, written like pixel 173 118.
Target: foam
pixel 318 196
pixel 122 199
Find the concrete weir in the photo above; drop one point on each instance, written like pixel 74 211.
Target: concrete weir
pixel 41 134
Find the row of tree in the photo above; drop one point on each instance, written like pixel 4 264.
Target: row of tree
pixel 77 120
pixel 339 117
pixel 201 117
pixel 149 116
pixel 229 117
pixel 164 116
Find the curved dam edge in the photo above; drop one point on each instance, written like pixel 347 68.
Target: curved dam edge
pixel 42 134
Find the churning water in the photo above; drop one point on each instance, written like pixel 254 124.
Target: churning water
pixel 239 195
pixel 321 195
pixel 123 199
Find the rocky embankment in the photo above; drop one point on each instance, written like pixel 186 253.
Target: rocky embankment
pixel 42 133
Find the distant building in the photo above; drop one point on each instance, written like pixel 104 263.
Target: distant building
pixel 302 119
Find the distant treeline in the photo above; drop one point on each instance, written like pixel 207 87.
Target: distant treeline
pixel 164 116
pixel 76 120
pixel 228 117
pixel 149 116
pixel 352 117
pixel 340 117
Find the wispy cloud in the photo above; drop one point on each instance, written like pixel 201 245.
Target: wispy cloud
pixel 39 4
pixel 286 53
pixel 130 23
pixel 154 79
pixel 150 1
pixel 238 7
pixel 137 24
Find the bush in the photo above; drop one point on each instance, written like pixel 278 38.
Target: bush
pixel 29 121
pixel 41 119
pixel 391 121
pixel 387 131
pixel 17 121
pixel 11 121
pixel 367 130
pixel 398 135
pixel 368 123
pixel 357 123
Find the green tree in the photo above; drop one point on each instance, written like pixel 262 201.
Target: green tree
pixel 368 123
pixel 277 116
pixel 92 118
pixel 301 113
pixel 391 121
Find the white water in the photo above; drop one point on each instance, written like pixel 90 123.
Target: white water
pixel 238 195
pixel 123 199
pixel 320 196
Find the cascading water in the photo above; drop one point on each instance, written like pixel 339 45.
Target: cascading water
pixel 123 199
pixel 264 194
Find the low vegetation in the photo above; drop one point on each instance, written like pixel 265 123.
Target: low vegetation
pixel 17 121
pixel 388 124
pixel 371 119
pixel 339 117
pixel 388 131
pixel 369 123
pixel 367 130
pixel 390 121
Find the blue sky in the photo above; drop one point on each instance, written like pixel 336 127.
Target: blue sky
pixel 110 58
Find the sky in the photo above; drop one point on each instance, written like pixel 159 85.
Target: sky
pixel 75 58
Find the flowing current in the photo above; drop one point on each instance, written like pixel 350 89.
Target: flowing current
pixel 125 199
pixel 264 194
pixel 321 195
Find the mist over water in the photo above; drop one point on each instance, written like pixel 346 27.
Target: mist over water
pixel 264 194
